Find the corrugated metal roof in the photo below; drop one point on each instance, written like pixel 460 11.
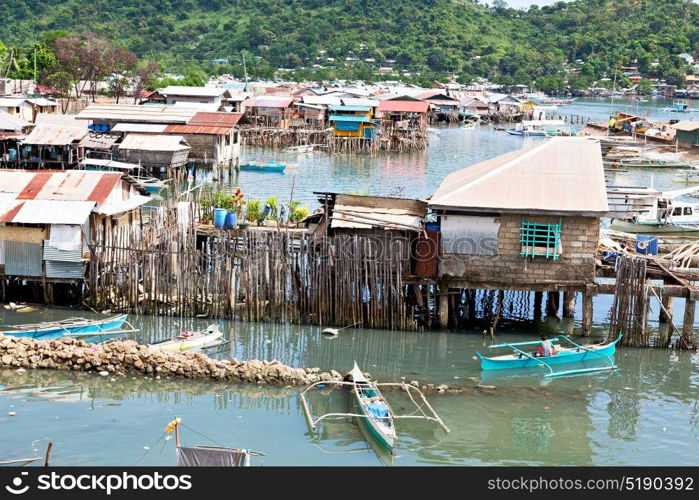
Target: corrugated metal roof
pixel 96 141
pixel 147 142
pixel 323 100
pixel 176 90
pixel 360 101
pixel 55 135
pixel 350 108
pixel 59 119
pixel 53 212
pixel 59 185
pixel 216 119
pixel 137 114
pixel 12 102
pixel 359 217
pixel 197 129
pixel 268 102
pixel 12 123
pixel 558 176
pixel 122 206
pixel 686 126
pixel 145 128
pixel 404 106
pixel 348 118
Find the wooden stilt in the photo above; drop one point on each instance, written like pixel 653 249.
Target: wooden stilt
pixel 553 300
pixel 688 325
pixel 443 304
pixel 587 315
pixel 569 305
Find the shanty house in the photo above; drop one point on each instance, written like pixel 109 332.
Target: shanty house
pixel 442 106
pixel 48 219
pixel 12 131
pixel 51 146
pixel 27 108
pixel 202 95
pixel 528 219
pixel 212 137
pixel 353 121
pixel 472 106
pixel 270 111
pixel 154 150
pixel 404 122
pixel 687 131
pixel 104 117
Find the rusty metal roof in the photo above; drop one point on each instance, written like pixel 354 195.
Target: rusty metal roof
pixel 197 129
pixel 54 135
pixel 216 119
pixel 154 142
pixel 268 102
pixel 58 185
pixel 562 175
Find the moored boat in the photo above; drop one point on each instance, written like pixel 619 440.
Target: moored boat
pixel 71 327
pixel 187 341
pixel 575 354
pixel 379 416
pixel 272 166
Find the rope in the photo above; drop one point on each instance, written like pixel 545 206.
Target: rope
pixel 202 435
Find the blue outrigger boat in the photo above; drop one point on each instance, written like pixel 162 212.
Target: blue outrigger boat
pixel 575 354
pixel 272 166
pixel 85 329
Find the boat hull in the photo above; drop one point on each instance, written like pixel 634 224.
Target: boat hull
pixel 575 355
pixel 96 327
pixel 643 228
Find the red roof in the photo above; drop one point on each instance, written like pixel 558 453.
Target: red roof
pixel 197 129
pixel 282 102
pixel 404 106
pixel 67 185
pixel 216 119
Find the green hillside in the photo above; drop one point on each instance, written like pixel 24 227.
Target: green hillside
pixel 426 36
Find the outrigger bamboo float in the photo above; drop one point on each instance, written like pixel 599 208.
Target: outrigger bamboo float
pixel 375 414
pixel 576 354
pixel 85 329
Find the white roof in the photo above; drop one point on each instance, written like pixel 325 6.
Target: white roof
pixel 192 91
pixel 53 212
pixel 211 107
pixel 121 206
pixel 146 113
pixel 12 123
pixel 153 142
pixel 59 119
pixel 11 102
pixel 147 128
pixel 106 163
pixel 562 176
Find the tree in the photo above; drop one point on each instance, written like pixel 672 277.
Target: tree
pixel 144 77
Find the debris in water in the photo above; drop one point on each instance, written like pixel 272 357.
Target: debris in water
pixel 104 373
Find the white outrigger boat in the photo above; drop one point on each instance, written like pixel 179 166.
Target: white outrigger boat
pixel 647 211
pixel 186 341
pixel 375 414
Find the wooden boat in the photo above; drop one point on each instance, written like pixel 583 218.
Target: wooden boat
pixel 72 327
pixel 376 417
pixel 646 163
pixel 187 341
pixel 379 416
pixel 150 184
pixel 208 456
pixel 575 354
pixel 272 166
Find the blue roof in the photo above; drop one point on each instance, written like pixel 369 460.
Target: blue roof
pixel 349 108
pixel 345 118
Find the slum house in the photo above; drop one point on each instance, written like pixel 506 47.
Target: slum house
pixel 473 108
pixel 442 107
pixel 270 111
pixel 687 132
pixel 403 123
pixel 166 153
pixel 201 95
pixel 389 226
pixel 213 138
pixel 312 116
pixel 353 121
pixel 12 131
pixel 521 221
pixel 27 108
pixel 504 107
pixel 49 218
pixel 104 117
pixel 50 146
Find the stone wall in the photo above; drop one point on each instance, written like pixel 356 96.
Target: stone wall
pixel 576 263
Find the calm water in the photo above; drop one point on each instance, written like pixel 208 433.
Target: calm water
pixel 646 413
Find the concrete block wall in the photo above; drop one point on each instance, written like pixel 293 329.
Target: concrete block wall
pixel 579 241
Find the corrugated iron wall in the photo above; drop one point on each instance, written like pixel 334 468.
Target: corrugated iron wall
pixel 22 259
pixel 62 263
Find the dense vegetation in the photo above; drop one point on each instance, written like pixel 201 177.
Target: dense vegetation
pixel 429 37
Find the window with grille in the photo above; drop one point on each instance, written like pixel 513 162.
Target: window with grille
pixel 540 240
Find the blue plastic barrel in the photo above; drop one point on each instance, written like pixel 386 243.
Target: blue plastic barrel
pixel 231 219
pixel 432 226
pixel 220 217
pixel 647 245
